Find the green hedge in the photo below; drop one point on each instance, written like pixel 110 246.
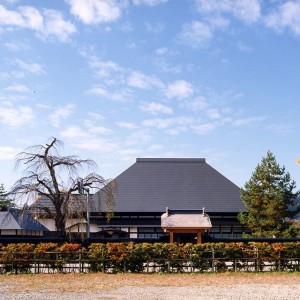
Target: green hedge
pixel 162 257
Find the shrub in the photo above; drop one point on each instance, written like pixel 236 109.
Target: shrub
pixel 17 258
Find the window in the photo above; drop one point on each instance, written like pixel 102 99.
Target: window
pixel 150 232
pixel 237 231
pixel 226 231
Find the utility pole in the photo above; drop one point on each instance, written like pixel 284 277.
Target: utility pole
pixel 81 190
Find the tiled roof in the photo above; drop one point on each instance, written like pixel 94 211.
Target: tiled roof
pixel 15 219
pixel 152 184
pixel 44 205
pixel 185 219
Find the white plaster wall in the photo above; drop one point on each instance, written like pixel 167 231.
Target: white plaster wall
pixel 133 235
pixel 48 223
pixel 8 232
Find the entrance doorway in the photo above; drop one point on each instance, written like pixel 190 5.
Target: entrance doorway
pixel 185 238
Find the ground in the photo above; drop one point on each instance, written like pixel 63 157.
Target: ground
pixel 145 286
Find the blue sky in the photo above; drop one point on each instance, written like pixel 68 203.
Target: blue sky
pixel 115 80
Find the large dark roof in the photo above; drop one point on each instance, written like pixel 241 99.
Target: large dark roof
pixel 11 218
pixel 152 184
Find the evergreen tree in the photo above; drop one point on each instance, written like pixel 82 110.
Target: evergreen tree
pixel 4 201
pixel 270 201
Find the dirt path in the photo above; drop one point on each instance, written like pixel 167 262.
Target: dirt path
pixel 150 287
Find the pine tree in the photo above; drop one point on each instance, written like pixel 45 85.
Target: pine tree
pixel 4 201
pixel 270 201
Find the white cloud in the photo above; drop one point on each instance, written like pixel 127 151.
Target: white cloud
pixel 73 132
pixel 176 130
pixel 128 153
pixel 127 125
pixel 104 69
pixel 32 17
pixel 148 2
pixel 96 116
pixel 248 11
pixel 16 46
pixel 95 11
pixel 247 121
pixel 179 89
pixel 99 130
pixel 155 147
pixel 33 68
pixel 154 28
pixel 215 15
pixel 213 113
pixel 98 91
pixel 204 128
pixel 138 137
pixel 94 129
pixel 55 25
pixel 7 153
pixel 11 1
pixel 47 24
pixel 199 103
pixel 16 117
pixel 142 81
pixel 286 16
pixel 162 64
pixel 168 122
pixel 156 108
pixel 96 144
pixel 21 18
pixel 161 51
pixel 244 47
pixel 123 95
pixel 195 34
pixel 19 88
pixel 60 114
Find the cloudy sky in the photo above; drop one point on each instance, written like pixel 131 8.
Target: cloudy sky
pixel 120 79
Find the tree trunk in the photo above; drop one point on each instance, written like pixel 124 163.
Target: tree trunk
pixel 60 223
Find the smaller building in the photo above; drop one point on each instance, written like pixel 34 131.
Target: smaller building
pixel 185 226
pixel 15 222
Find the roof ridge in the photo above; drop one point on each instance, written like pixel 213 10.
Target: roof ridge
pixel 182 160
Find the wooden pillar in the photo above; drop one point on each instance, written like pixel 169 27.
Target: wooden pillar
pixel 171 237
pixel 199 237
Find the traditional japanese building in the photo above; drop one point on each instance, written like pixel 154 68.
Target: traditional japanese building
pixel 14 222
pixel 199 199
pixel 151 185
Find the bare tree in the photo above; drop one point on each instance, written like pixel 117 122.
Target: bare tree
pixel 55 177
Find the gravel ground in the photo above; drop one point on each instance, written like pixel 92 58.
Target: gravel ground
pixel 151 288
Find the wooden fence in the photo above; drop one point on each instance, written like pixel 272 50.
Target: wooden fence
pixel 207 262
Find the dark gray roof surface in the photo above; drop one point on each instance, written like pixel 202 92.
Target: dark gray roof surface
pixel 15 219
pixel 44 205
pixel 152 184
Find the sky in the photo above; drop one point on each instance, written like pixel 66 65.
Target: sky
pixel 121 79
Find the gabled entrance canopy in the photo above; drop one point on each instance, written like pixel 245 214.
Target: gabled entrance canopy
pixel 182 222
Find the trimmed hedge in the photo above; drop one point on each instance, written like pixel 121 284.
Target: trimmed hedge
pixel 161 257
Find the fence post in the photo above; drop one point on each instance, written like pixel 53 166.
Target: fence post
pixel 34 261
pixel 169 267
pixel 279 262
pixel 12 261
pixel 256 259
pixel 80 263
pixel 213 260
pixel 234 263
